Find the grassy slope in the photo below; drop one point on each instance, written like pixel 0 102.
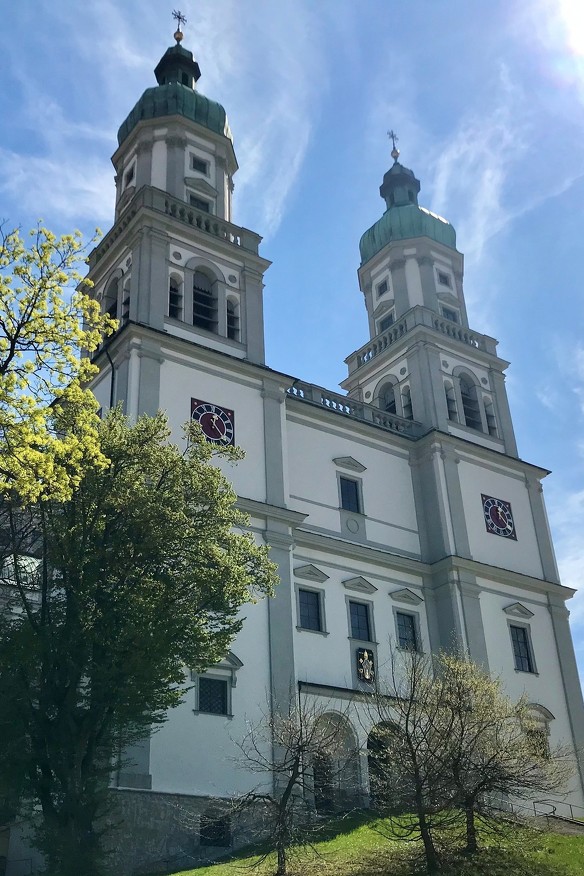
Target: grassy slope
pixel 356 848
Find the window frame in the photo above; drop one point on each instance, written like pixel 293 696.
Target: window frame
pixel 202 161
pixel 514 623
pixel 444 278
pixel 389 315
pixel 454 318
pixel 379 290
pixel 208 209
pixel 320 595
pixel 214 680
pixel 358 493
pixel 368 605
pixel 415 616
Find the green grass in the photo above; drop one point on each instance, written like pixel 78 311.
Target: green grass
pixel 355 847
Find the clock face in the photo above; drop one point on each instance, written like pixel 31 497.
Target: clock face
pixel 218 424
pixel 498 517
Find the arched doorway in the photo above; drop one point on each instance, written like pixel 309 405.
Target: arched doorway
pixel 336 766
pixel 387 780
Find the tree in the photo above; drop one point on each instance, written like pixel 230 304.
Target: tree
pixel 305 755
pixel 43 326
pixel 461 747
pixel 406 770
pixel 110 594
pixel 493 748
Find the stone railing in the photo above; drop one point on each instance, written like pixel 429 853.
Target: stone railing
pixel 349 407
pixel 419 316
pixel 162 202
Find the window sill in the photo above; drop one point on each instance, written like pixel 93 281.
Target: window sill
pixel 527 671
pixel 308 630
pixel 410 650
pixel 213 714
pixel 363 641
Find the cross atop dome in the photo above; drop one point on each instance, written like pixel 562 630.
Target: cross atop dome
pixel 180 20
pixel 394 139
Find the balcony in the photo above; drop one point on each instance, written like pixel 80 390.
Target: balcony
pixel 356 410
pixel 419 316
pixel 163 203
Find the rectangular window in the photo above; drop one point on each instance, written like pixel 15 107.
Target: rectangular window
pixel 444 279
pixel 200 165
pixel 450 314
pixel 350 495
pixel 521 649
pixel 129 177
pixel 309 608
pixel 360 625
pixel 200 204
pixel 386 322
pixel 407 635
pixel 212 695
pixel 382 288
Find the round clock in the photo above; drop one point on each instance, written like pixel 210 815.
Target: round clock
pixel 498 517
pixel 218 424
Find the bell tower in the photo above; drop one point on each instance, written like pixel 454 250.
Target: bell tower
pixel 174 264
pixel 423 362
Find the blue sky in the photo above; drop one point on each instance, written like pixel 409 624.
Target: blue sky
pixel 488 100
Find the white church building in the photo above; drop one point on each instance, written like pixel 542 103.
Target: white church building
pixel 398 510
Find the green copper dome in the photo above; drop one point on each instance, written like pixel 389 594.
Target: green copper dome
pixel 176 99
pixel 177 73
pixel 404 218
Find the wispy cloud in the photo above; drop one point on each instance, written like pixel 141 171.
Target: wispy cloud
pixel 474 166
pixel 74 191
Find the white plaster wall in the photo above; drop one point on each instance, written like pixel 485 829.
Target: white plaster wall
pixel 179 382
pixel 196 753
pixel 329 659
pixel 388 501
pixel 521 555
pixel 159 159
pixel 101 389
pixel 414 282
pixel 546 687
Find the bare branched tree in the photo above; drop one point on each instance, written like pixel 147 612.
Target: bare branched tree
pixel 449 746
pixel 308 759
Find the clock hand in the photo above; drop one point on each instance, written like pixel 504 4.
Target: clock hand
pixel 214 419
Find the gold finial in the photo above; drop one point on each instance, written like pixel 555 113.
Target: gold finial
pixel 180 19
pixel 395 151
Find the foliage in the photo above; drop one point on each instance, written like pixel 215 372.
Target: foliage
pixel 139 573
pixel 462 747
pixel 43 327
pixel 290 750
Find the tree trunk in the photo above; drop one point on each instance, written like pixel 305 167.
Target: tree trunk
pixel 471 831
pixel 281 871
pixel 429 847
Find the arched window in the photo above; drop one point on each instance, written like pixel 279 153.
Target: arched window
pixel 204 302
pixel 470 404
pixel 387 401
pixel 126 300
pixel 232 320
pixel 175 297
pixel 537 728
pixel 110 299
pixel 451 402
pixel 490 416
pixel 406 398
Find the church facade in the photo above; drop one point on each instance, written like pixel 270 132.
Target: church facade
pixel 398 511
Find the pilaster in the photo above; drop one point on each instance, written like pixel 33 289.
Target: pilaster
pixel 570 679
pixel 542 530
pixel 504 421
pixel 150 265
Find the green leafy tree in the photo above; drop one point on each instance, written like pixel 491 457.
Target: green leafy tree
pixel 140 573
pixel 494 749
pixel 44 324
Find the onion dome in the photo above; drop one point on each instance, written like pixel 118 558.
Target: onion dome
pixel 177 73
pixel 404 218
